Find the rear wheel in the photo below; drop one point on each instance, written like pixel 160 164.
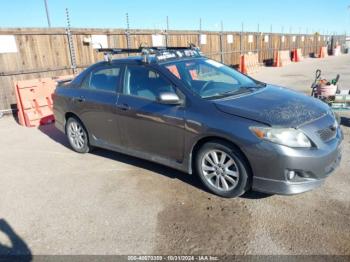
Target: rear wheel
pixel 77 135
pixel 223 169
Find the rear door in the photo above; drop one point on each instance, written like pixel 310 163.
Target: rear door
pixel 146 125
pixel 97 103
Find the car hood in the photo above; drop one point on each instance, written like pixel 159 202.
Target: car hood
pixel 275 106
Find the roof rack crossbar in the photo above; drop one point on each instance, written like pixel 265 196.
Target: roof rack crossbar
pixel 145 51
pixel 141 49
pixel 119 50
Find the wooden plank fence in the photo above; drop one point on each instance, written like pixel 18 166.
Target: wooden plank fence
pixel 46 52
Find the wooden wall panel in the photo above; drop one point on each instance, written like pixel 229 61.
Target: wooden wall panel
pixel 45 52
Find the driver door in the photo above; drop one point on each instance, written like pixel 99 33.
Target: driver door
pixel 147 126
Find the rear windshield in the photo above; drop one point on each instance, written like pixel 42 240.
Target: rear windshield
pixel 211 79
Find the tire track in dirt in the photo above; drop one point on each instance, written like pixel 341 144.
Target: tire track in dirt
pixel 196 222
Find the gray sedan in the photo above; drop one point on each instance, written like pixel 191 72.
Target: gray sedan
pixel 201 117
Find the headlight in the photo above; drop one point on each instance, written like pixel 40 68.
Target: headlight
pixel 283 136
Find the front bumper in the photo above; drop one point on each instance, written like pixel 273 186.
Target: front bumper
pixel 285 187
pixel 271 162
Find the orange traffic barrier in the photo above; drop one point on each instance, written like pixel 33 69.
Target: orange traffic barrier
pixel 297 55
pixel 281 58
pixel 249 63
pixel 323 52
pixel 34 100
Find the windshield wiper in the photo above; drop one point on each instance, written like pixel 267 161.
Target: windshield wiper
pixel 241 90
pixel 260 84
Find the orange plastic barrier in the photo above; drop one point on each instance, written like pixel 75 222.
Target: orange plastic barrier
pixel 281 58
pixel 323 52
pixel 297 55
pixel 34 100
pixel 249 63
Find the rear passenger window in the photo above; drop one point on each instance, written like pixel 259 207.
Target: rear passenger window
pixel 105 79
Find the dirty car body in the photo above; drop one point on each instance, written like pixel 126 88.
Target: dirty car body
pixel 289 142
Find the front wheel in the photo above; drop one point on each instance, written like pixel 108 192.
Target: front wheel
pixel 77 135
pixel 223 169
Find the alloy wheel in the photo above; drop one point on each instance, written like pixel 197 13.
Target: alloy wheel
pixel 220 170
pixel 76 135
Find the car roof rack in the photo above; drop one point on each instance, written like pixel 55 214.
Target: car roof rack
pixel 159 53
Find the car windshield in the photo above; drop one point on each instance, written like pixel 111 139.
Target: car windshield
pixel 210 79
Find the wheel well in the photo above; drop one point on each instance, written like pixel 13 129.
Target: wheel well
pixel 205 140
pixel 70 114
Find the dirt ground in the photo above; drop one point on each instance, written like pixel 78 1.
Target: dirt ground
pixel 55 201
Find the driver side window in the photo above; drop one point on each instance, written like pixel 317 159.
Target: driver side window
pixel 146 83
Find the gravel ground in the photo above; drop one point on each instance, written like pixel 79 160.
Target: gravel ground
pixel 54 201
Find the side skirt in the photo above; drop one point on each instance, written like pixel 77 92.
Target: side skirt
pixel 156 159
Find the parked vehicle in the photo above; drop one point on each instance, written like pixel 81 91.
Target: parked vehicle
pixel 191 113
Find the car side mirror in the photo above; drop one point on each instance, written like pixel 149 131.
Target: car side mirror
pixel 169 98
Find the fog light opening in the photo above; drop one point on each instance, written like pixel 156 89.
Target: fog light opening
pixel 291 174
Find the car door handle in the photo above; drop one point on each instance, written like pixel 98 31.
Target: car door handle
pixel 78 99
pixel 123 107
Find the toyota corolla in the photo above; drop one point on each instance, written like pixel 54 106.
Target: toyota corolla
pixel 191 113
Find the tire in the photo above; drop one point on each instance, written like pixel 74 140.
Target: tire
pixel 229 165
pixel 77 135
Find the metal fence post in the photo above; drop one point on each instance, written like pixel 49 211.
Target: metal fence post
pixel 199 32
pixel 71 44
pixel 127 32
pixel 271 46
pixel 241 40
pixel 221 43
pixel 257 41
pixel 167 32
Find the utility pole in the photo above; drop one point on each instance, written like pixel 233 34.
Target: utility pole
pixel 47 14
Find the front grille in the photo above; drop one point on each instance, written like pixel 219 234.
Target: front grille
pixel 327 133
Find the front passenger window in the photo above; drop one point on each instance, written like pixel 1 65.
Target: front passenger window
pixel 146 83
